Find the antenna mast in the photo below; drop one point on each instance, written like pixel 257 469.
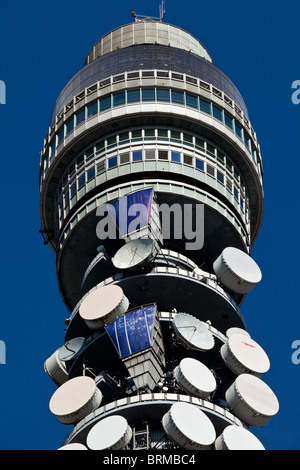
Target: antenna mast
pixel 162 11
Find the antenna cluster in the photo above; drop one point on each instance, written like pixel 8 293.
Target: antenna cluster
pixel 162 10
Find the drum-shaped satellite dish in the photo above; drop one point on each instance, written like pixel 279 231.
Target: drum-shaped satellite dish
pixel 112 433
pixel 75 399
pixel 236 270
pixel 251 400
pixel 73 446
pixel 195 378
pixel 244 356
pixel 70 349
pixel 235 330
pixel 102 305
pixel 189 427
pixel 192 333
pixel 237 438
pixel 135 254
pixel 56 369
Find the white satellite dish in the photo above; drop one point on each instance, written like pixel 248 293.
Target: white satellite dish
pixel 56 369
pixel 75 399
pixel 251 400
pixel 192 333
pixel 237 438
pixel 244 356
pixel 112 433
pixel 195 378
pixel 135 254
pixel 235 330
pixel 188 426
pixel 103 305
pixel 73 446
pixel 70 348
pixel 237 270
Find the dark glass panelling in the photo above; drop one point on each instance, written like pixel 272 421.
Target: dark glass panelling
pixel 148 56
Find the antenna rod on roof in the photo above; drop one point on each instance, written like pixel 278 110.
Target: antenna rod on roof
pixel 162 10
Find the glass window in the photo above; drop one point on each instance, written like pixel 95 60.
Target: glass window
pixel 238 130
pixel 119 98
pixel 175 135
pixel 210 170
pixel 175 156
pixel 163 155
pixel 199 164
pixel 220 177
pixel 90 174
pixel 72 170
pixel 111 141
pixel 100 146
pixel 81 181
pixel 137 155
pixel 162 133
pixel 220 157
pixel 163 95
pixel 188 138
pixel 247 140
pixel 113 161
pixel 210 150
pixel 133 96
pixel 229 121
pixel 80 116
pixel 124 158
pixel 136 134
pixel 199 143
pixel 187 159
pixel 73 190
pixel 60 136
pixel 89 154
pixel 150 133
pixel 192 101
pixel 150 154
pixel 69 125
pixel 105 103
pixel 177 97
pixel 229 185
pixel 217 113
pixel 92 109
pixel 67 198
pixel 236 193
pixel 80 161
pixel 148 94
pixel 123 136
pixel 100 167
pixel 205 106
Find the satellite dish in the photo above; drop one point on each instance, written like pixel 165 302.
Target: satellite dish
pixel 195 378
pixel 251 400
pixel 243 355
pixel 135 254
pixel 75 399
pixel 112 433
pixel 103 305
pixel 73 446
pixel 70 349
pixel 237 438
pixel 56 369
pixel 234 330
pixel 188 426
pixel 193 333
pixel 237 270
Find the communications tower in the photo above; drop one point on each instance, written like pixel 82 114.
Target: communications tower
pixel 151 197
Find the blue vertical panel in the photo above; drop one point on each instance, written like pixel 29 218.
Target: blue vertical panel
pixel 119 210
pixel 132 332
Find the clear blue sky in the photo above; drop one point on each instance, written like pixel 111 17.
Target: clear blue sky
pixel 42 44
